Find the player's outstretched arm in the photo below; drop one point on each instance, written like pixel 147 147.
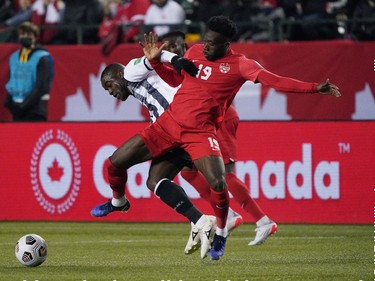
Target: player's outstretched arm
pixel 287 84
pixel 327 88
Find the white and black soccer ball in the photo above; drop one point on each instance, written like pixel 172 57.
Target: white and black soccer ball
pixel 31 250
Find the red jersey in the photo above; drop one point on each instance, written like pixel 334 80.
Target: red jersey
pixel 202 100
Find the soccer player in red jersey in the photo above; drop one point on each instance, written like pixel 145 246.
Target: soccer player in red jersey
pixel 227 140
pixel 199 106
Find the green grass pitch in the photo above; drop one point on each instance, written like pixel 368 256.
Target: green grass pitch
pixel 154 252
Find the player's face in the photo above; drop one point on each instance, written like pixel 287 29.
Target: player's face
pixel 175 45
pixel 116 87
pixel 215 46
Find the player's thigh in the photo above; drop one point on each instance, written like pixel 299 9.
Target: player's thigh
pixel 213 169
pixel 161 170
pixel 132 152
pixel 167 166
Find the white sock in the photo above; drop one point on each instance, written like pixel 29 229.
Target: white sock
pixel 264 220
pixel 118 202
pixel 222 231
pixel 201 222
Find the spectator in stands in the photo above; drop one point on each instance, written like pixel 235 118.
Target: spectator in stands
pixel 47 13
pixel 335 6
pixel 132 12
pixel 7 10
pixel 313 13
pixel 119 18
pixel 263 27
pixel 241 11
pixel 361 30
pixel 85 14
pixel 23 14
pixel 204 9
pixel 31 74
pixel 165 12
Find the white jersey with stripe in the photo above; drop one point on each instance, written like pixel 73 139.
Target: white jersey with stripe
pixel 148 88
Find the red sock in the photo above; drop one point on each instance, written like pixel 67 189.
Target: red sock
pixel 241 194
pixel 117 179
pixel 199 182
pixel 220 204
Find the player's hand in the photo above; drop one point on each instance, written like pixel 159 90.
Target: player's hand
pixel 180 63
pixel 327 88
pixel 150 47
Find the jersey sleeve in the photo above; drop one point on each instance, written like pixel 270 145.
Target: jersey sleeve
pixel 249 68
pixel 286 84
pixel 166 56
pixel 168 74
pixel 137 69
pixel 253 71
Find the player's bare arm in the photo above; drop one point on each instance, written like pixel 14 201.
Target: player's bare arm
pixel 327 88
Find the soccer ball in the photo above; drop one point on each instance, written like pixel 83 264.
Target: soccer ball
pixel 31 250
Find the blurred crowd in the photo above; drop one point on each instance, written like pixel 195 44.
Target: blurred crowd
pixel 110 22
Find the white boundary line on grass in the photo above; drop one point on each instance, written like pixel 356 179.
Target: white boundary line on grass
pixel 155 240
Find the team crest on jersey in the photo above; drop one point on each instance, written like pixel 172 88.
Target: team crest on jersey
pixel 55 171
pixel 224 67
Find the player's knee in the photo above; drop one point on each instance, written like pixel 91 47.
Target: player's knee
pixel 115 161
pixel 151 183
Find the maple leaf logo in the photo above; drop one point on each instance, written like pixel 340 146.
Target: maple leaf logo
pixel 97 105
pixel 364 104
pixel 55 172
pixel 258 102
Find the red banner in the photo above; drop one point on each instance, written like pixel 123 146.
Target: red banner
pixel 308 172
pixel 77 95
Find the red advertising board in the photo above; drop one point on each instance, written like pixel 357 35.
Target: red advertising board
pixel 309 172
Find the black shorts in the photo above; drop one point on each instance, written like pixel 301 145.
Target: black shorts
pixel 177 157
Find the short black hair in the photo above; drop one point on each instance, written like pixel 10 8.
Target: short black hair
pixel 111 70
pixel 222 25
pixel 175 33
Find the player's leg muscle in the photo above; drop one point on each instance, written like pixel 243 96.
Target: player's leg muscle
pixel 130 153
pixel 212 167
pixel 160 170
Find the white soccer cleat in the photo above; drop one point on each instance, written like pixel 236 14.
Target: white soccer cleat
pixel 234 220
pixel 263 232
pixel 194 241
pixel 206 234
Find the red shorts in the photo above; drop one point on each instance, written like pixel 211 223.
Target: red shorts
pixel 226 136
pixel 166 134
